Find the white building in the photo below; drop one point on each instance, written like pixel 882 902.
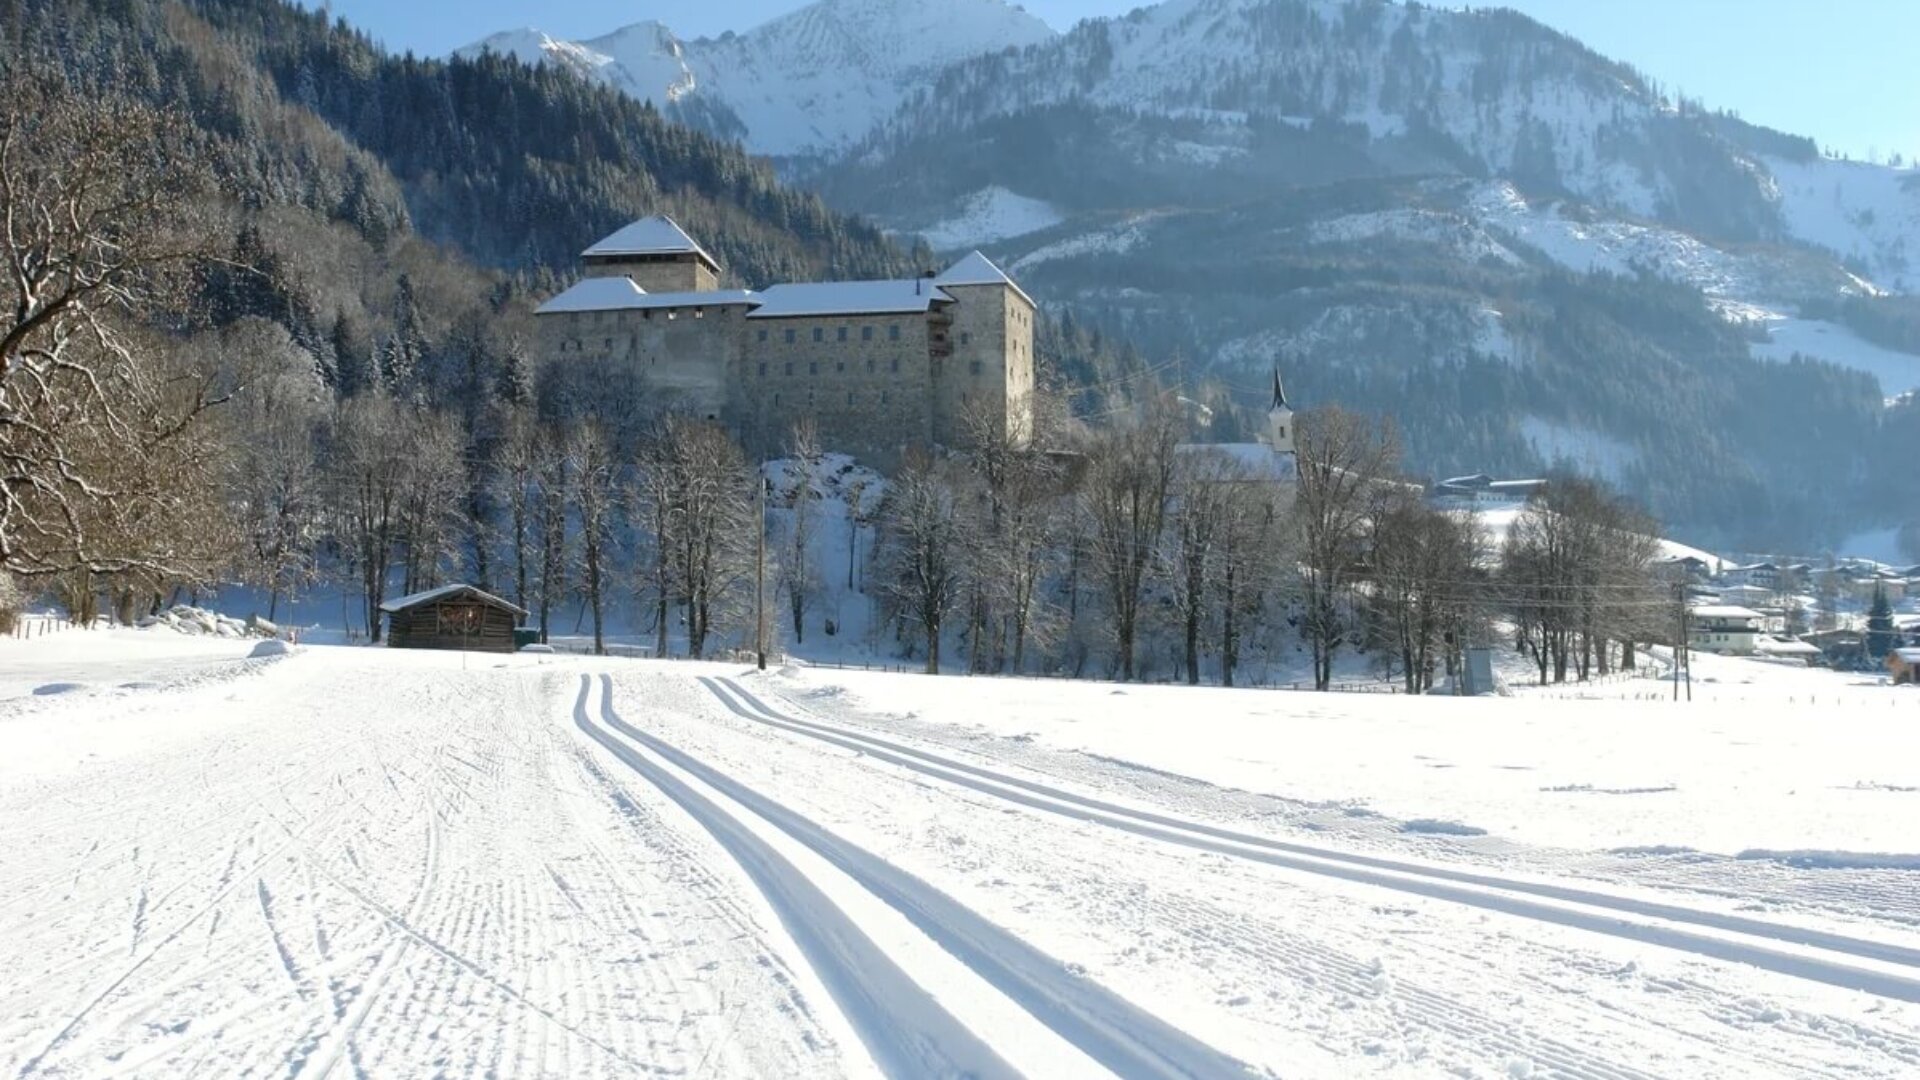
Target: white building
pixel 1724 629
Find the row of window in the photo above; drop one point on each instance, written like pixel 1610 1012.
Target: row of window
pixel 853 398
pixel 840 367
pixel 840 334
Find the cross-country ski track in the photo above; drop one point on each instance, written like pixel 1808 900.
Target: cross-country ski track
pixel 367 863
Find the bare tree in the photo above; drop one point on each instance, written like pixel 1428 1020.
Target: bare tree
pixel 1129 480
pixel 272 431
pixel 799 578
pixel 102 206
pixel 1578 575
pixel 433 490
pixel 514 483
pixel 1203 483
pixel 367 466
pixel 591 486
pixel 922 536
pixel 696 490
pixel 1343 459
pixel 1424 564
pixel 1018 542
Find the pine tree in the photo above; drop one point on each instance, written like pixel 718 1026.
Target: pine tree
pixel 1880 633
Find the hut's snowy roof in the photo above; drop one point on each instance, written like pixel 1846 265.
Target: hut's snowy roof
pixel 1723 611
pixel 445 591
pixel 911 297
pixel 657 235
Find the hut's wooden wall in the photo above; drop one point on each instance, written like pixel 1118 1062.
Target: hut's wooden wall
pixel 435 626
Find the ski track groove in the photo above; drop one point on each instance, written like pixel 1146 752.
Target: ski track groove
pixel 1108 1028
pixel 1505 895
pixel 906 1030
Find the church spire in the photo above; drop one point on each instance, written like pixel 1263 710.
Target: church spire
pixel 1279 418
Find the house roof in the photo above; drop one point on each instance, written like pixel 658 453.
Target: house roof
pixel 977 269
pixel 595 294
pixel 715 298
pixel 1260 461
pixel 657 235
pixel 914 296
pixel 1723 611
pixel 1909 656
pixel 413 600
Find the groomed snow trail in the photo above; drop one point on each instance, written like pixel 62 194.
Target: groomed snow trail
pixel 1743 940
pixel 1117 1033
pixel 379 865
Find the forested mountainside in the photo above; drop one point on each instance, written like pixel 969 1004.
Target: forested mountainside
pixel 1529 254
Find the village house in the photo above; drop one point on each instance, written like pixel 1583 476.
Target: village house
pixel 1481 488
pixel 1904 664
pixel 878 366
pixel 1723 629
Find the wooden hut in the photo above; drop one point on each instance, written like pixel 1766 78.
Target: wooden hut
pixel 452 617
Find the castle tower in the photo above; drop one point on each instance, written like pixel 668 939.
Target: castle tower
pixel 655 254
pixel 987 366
pixel 1280 418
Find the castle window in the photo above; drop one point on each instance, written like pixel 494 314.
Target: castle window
pixel 813 367
pixel 893 365
pixel 871 365
pixel 789 367
pixel 673 313
pixel 840 367
pixel 789 335
pixel 763 337
pixel 646 313
pixel 843 333
pixel 819 334
pixel 809 399
pixel 699 313
pixel 763 369
pixel 893 332
pixel 966 337
pixel 776 399
pixel 609 343
pixel 849 397
pixel 883 397
pixel 973 367
pixel 866 333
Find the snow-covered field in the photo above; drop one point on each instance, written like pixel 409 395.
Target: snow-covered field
pixel 406 864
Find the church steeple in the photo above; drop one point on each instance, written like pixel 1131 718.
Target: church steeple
pixel 1280 418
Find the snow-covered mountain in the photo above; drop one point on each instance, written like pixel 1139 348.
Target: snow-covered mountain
pixel 810 83
pixel 1459 216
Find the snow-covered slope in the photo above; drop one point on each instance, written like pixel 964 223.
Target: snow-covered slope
pixel 811 82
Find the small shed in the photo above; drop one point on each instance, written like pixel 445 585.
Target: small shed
pixel 1905 665
pixel 452 617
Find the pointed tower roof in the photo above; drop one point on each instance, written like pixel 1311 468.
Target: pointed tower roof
pixel 977 269
pixel 657 235
pixel 1279 393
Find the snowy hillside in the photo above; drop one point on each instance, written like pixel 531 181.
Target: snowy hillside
pixel 812 82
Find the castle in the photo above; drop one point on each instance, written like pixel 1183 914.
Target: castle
pixel 879 366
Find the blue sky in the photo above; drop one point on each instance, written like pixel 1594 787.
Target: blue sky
pixel 1842 71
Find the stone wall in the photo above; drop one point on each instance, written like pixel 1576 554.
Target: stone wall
pixel 863 378
pixel 674 273
pixel 991 369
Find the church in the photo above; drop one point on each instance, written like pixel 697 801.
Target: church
pixel 879 366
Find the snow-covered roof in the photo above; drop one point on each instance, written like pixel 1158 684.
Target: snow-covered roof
pixel 444 591
pixel 1910 656
pixel 910 297
pixel 715 298
pixel 595 294
pixel 1786 647
pixel 977 269
pixel 657 235
pixel 1258 459
pixel 1723 611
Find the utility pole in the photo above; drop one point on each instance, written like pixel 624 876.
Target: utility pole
pixel 760 568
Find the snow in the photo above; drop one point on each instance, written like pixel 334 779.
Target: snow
pixel 990 215
pixel 1897 372
pixel 657 235
pixel 414 863
pixel 1868 213
pixel 596 294
pixel 1594 453
pixel 910 297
